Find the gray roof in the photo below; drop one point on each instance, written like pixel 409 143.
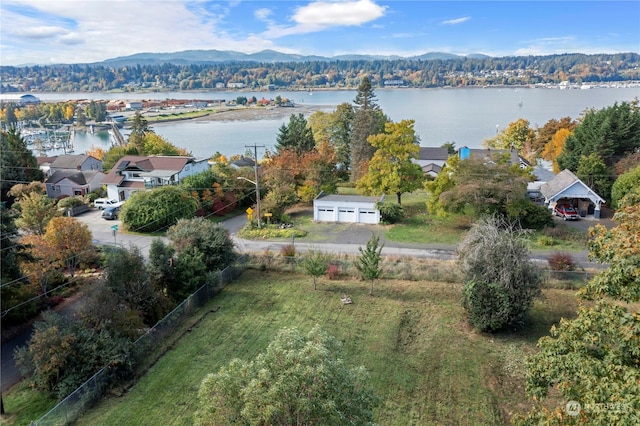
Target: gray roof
pixel 69 161
pixel 348 198
pixel 77 176
pixel 488 154
pixel 243 162
pixel 542 174
pixel 431 168
pixel 563 180
pixel 433 153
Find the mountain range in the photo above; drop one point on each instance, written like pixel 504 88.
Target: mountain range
pixel 189 57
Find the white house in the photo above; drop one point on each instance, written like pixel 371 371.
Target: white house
pixel 137 173
pixel 346 208
pixel 568 189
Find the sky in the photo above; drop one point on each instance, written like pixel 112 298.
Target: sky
pixel 84 31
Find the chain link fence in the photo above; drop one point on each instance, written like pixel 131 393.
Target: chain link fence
pixel 146 349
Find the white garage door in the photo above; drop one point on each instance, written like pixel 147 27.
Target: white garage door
pixel 346 215
pixel 326 214
pixel 368 216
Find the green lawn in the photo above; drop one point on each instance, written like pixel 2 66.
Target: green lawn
pixel 426 364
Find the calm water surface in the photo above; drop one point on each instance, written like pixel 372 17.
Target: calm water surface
pixel 465 116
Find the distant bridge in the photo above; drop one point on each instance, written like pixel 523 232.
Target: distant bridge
pixel 116 137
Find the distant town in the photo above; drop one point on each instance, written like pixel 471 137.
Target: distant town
pixel 564 71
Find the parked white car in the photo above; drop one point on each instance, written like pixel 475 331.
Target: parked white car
pixel 102 203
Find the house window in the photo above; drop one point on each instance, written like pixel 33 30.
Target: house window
pixel 55 187
pixel 77 191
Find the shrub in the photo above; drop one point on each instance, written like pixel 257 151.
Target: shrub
pixel 501 281
pixel 486 304
pixel 333 271
pixel 390 212
pixel 544 240
pixel 561 262
pixel 70 202
pixel 288 250
pixel 531 215
pixel 158 209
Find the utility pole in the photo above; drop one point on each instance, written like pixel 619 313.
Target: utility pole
pixel 255 170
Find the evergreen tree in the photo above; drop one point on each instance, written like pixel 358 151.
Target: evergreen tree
pixel 368 120
pixel 368 264
pixel 341 134
pixel 17 163
pixel 139 128
pixel 296 135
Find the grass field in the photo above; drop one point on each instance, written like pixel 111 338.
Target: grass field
pixel 426 364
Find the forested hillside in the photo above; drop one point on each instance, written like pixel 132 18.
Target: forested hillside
pixel 332 74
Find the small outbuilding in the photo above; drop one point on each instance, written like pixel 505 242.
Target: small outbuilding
pixel 566 188
pixel 346 208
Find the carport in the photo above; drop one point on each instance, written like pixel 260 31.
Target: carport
pixel 567 188
pixel 346 208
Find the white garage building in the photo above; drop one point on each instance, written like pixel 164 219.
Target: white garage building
pixel 346 208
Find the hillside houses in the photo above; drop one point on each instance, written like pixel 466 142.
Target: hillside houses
pixel 138 173
pixel 70 175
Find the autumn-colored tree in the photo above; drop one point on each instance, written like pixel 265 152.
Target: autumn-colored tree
pixel 593 360
pixel 629 161
pixel 36 210
pixel 554 147
pixel 336 128
pixel 41 266
pixel 154 144
pixel 22 189
pixel 71 241
pixel 392 170
pixel 515 136
pixel 487 187
pixel 442 183
pixel 545 134
pixel 69 112
pixel 96 152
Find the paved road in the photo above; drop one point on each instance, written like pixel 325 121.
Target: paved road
pixel 356 236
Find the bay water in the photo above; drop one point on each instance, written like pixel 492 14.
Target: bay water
pixel 465 116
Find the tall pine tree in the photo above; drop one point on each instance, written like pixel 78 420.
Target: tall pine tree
pixel 368 120
pixel 296 135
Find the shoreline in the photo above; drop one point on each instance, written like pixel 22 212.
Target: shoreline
pixel 243 114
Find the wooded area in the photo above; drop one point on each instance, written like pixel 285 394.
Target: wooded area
pixel 521 70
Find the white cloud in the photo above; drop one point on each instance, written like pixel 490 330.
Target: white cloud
pixel 342 13
pixel 320 15
pixel 40 32
pixel 456 21
pixel 262 14
pixel 105 29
